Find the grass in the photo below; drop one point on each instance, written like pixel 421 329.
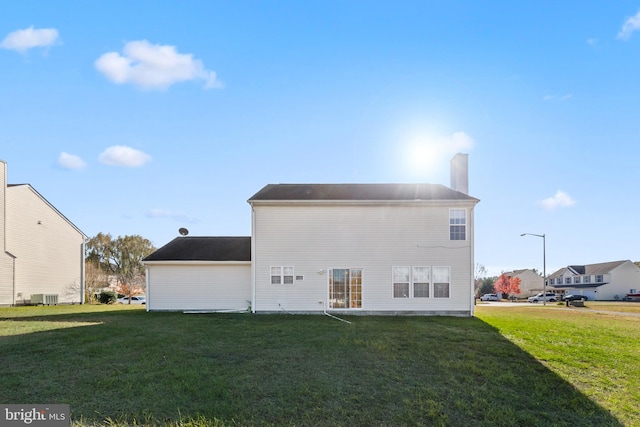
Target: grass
pixel 120 366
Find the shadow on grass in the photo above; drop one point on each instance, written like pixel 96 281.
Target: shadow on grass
pixel 225 369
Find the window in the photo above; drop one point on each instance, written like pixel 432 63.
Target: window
pixel 552 281
pixel 576 279
pixel 457 224
pixel 567 280
pixel 599 278
pixel 411 282
pixel 282 275
pixel 401 278
pixel 441 282
pixel 586 279
pixel 421 282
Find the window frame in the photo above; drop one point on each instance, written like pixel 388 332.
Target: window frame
pixel 448 283
pixel 412 279
pixel 457 229
pixel 286 275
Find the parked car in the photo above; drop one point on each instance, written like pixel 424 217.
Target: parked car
pixel 489 297
pixel 549 296
pixel 571 297
pixel 134 300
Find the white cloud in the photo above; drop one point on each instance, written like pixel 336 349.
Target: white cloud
pixel 165 213
pixel 23 40
pixel 121 155
pixel 71 161
pixel 631 25
pixel 560 98
pixel 559 200
pixel 154 66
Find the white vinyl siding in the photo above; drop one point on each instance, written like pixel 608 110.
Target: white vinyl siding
pixel 207 286
pixel 6 262
pixel 316 237
pixel 48 249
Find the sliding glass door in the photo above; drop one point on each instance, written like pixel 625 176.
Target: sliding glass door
pixel 345 288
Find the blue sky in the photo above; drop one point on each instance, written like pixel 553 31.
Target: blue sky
pixel 143 117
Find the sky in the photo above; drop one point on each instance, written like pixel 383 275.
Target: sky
pixel 144 117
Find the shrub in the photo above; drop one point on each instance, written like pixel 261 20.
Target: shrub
pixel 107 297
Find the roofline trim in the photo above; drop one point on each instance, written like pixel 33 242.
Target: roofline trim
pixel 448 202
pixel 194 262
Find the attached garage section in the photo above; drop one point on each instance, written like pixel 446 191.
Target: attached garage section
pixel 200 274
pixel 207 287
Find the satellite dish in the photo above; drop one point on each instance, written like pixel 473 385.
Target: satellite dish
pixel 183 231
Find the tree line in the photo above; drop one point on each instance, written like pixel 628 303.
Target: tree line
pixel 116 264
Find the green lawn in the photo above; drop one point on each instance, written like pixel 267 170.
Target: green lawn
pixel 118 365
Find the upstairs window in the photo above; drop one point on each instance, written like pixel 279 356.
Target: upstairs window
pixel 576 279
pixel 599 278
pixel 586 279
pixel 457 224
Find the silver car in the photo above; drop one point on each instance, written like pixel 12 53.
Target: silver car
pixel 489 297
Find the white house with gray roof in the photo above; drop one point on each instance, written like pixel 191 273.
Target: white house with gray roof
pixel 335 248
pixel 607 281
pixel 531 283
pixel 42 253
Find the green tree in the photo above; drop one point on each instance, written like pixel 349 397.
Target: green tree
pixel 121 260
pixel 486 286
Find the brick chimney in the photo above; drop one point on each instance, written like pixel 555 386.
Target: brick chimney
pixel 460 173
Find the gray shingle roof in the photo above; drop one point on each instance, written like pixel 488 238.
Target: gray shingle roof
pixel 589 269
pixel 194 248
pixel 362 192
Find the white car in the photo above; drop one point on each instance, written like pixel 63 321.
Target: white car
pixel 489 297
pixel 134 300
pixel 550 297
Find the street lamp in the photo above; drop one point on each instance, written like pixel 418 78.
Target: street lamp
pixel 544 264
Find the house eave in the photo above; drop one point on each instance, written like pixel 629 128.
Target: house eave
pixel 192 262
pixel 449 202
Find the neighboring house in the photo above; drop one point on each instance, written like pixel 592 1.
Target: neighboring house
pixel 530 282
pixel 42 251
pixel 339 248
pixel 604 281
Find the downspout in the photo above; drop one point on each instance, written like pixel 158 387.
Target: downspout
pixel 82 269
pixel 472 298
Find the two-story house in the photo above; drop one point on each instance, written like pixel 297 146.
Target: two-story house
pixel 41 253
pixel 340 248
pixel 603 281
